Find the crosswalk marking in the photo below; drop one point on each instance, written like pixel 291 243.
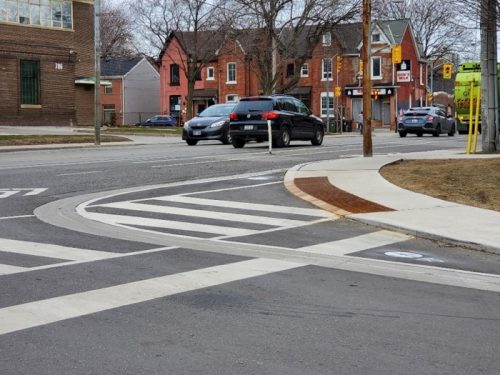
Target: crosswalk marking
pixel 216 215
pixel 34 314
pixel 169 224
pixel 6 269
pixel 358 243
pixel 246 206
pixel 51 251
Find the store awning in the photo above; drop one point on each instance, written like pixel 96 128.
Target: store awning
pixel 204 94
pixel 91 81
pixel 300 90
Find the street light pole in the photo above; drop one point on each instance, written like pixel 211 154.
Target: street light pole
pixel 367 87
pixel 97 66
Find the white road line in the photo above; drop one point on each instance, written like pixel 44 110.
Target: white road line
pixel 51 251
pixel 15 217
pixel 6 269
pixel 168 224
pixel 355 244
pixel 246 206
pixel 216 215
pixel 79 173
pixel 34 314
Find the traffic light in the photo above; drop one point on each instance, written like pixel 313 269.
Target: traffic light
pixel 338 91
pixel 447 70
pixel 339 63
pixel 396 54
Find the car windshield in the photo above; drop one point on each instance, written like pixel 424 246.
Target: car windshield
pixel 217 111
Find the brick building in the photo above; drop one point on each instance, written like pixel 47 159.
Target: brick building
pixel 46 62
pixel 329 80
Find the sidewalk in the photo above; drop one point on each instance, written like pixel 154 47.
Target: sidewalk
pixel 373 200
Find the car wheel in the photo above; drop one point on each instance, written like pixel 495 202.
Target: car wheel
pixel 191 142
pixel 452 131
pixel 402 134
pixel 318 136
pixel 437 132
pixel 283 139
pixel 419 134
pixel 238 142
pixel 226 138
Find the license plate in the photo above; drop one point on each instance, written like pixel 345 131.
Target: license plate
pixel 196 132
pixel 414 120
pixel 248 127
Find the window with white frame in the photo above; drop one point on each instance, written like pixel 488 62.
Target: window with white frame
pixel 376 64
pixel 327 38
pixel 108 89
pixel 326 69
pixel 210 73
pixel 376 37
pixel 326 103
pixel 231 98
pixel 304 70
pixel 48 13
pixel 231 72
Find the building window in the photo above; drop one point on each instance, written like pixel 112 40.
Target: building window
pixel 326 69
pixel 290 70
pixel 174 75
pixel 376 67
pixel 210 73
pixel 231 73
pixel 232 98
pixel 304 70
pixel 108 89
pixel 30 82
pixel 376 37
pixel 49 13
pixel 327 38
pixel 326 103
pixel 197 75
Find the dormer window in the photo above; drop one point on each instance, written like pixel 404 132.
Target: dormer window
pixel 327 38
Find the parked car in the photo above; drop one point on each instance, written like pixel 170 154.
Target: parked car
pixel 160 120
pixel 210 124
pixel 290 119
pixel 432 120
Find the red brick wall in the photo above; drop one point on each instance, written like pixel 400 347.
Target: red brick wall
pixel 71 50
pixel 115 98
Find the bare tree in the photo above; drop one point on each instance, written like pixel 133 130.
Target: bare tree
pixel 287 30
pixel 441 26
pixel 116 31
pixel 198 25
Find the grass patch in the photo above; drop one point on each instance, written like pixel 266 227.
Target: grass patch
pixel 146 130
pixel 474 182
pixel 26 140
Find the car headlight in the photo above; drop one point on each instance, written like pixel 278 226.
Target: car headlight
pixel 186 125
pixel 217 124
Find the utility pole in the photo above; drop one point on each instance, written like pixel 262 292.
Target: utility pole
pixel 489 87
pixel 97 65
pixel 367 86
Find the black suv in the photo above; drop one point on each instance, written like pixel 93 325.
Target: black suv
pixel 290 119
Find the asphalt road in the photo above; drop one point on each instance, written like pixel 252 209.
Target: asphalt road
pixel 169 259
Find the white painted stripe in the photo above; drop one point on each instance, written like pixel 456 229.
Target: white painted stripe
pixel 168 224
pixel 35 191
pixel 355 244
pixel 6 269
pixel 51 251
pixel 246 206
pixel 276 222
pixel 78 173
pixel 16 217
pixel 34 314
